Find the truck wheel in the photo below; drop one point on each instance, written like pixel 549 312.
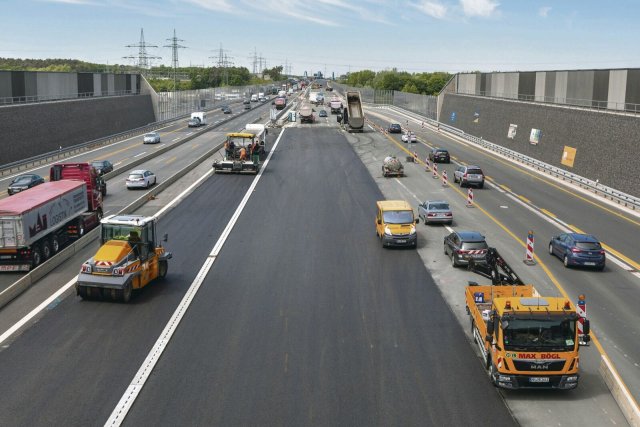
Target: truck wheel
pixel 55 245
pixel 492 372
pixel 126 293
pixel 46 249
pixel 163 267
pixel 36 257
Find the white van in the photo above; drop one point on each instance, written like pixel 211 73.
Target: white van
pixel 254 97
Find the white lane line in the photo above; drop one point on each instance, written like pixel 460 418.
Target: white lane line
pixel 131 393
pixel 189 133
pixel 116 164
pixel 140 154
pixel 161 145
pixel 36 310
pixel 175 139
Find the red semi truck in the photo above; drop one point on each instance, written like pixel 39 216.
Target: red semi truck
pixel 36 224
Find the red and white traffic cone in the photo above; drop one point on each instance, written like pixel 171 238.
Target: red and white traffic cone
pixel 427 165
pixel 435 171
pixel 415 157
pixel 444 178
pixel 528 257
pixel 470 198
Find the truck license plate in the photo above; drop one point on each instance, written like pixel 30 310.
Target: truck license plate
pixel 539 379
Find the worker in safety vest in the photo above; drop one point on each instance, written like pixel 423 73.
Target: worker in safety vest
pixel 255 152
pixel 243 153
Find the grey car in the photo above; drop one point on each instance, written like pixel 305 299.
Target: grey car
pixel 435 212
pixel 461 246
pixel 151 138
pixel 469 175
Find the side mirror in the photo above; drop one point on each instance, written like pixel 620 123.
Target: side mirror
pixel 379 221
pixel 165 237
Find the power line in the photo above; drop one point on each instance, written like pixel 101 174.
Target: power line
pixel 143 57
pixel 174 56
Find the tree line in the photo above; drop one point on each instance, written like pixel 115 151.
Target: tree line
pixel 422 83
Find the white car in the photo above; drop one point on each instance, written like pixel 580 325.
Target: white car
pixel 152 138
pixel 141 179
pixel 409 137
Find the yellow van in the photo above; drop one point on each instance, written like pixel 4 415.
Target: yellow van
pixel 395 223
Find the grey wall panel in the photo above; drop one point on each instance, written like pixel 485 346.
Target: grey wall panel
pixel 489 82
pixel 580 87
pixel 120 84
pixel 5 84
pixel 511 81
pixel 85 84
pixel 526 86
pixel 550 86
pixel 68 123
pixel 483 84
pixel 617 89
pixel 494 84
pixel 30 83
pixel 478 81
pixel 587 131
pixel 600 88
pixel 110 84
pixel 560 92
pixel 17 84
pixel 633 89
pixel 541 81
pixel 97 84
pixel 499 81
pixel 127 82
pixel 467 83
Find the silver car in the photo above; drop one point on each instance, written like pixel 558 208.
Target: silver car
pixel 435 212
pixel 141 179
pixel 152 138
pixel 469 175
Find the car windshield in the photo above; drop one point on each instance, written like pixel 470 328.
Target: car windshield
pixel 97 164
pixel 539 333
pixel 588 246
pixel 23 180
pixel 439 206
pixel 398 217
pixel 151 135
pixel 474 245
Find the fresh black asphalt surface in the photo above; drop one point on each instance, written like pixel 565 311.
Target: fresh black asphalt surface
pixel 305 319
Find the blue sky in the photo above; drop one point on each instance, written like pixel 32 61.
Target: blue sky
pixel 333 35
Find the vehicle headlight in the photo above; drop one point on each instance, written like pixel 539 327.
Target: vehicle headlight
pixel 387 231
pixel 413 230
pixel 572 379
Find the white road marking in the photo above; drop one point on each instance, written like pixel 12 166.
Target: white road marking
pixel 189 133
pixel 161 145
pixel 175 139
pixel 116 164
pixel 131 393
pixel 36 310
pixel 140 154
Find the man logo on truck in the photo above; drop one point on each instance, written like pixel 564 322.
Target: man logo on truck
pixel 41 224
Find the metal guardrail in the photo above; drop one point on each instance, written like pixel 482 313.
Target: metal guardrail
pixel 594 186
pixel 12 100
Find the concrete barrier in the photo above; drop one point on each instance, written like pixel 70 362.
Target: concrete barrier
pixel 621 394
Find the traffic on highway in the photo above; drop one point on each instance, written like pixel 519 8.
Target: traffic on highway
pixel 315 260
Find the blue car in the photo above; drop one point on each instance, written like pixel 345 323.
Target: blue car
pixel 575 249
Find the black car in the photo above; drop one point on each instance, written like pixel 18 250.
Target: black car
pixel 102 166
pixel 223 107
pixel 322 113
pixel 461 246
pixel 247 107
pixel 23 182
pixel 226 110
pixel 394 128
pixel 246 101
pixel 439 155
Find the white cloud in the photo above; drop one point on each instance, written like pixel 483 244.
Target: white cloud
pixel 215 5
pixel 484 8
pixel 544 11
pixel 432 8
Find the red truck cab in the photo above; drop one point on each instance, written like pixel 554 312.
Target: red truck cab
pixel 96 186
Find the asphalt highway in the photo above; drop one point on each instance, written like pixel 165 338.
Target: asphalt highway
pixel 164 165
pixel 612 295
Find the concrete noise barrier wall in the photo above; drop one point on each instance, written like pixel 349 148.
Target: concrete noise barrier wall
pixel 32 129
pixel 596 145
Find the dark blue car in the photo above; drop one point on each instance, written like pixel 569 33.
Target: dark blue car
pixel 575 249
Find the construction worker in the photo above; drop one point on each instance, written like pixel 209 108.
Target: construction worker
pixel 255 152
pixel 135 242
pixel 228 149
pixel 243 153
